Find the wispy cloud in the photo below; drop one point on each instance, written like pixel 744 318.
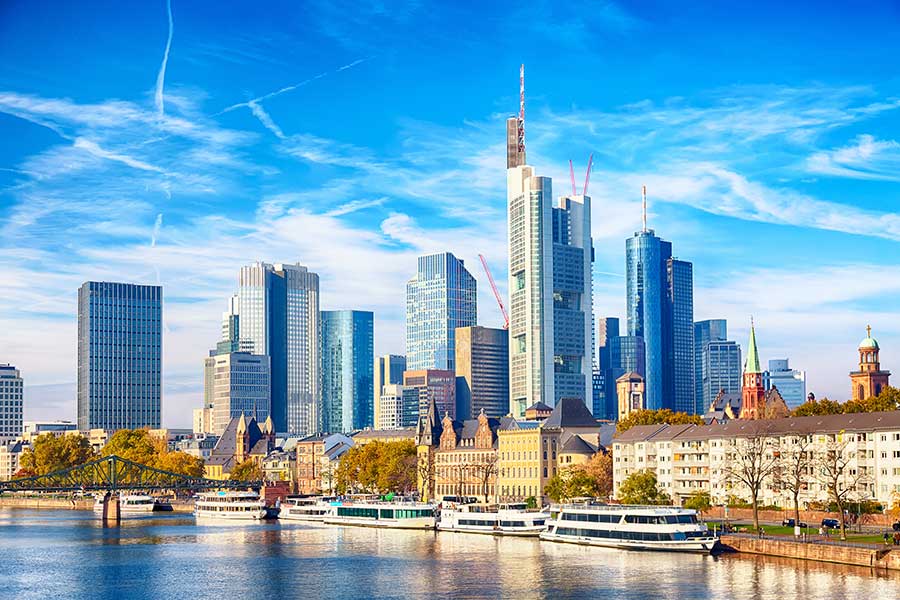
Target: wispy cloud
pixel 161 76
pixel 866 158
pixel 354 206
pixel 260 113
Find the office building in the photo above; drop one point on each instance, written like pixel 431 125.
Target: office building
pixel 717 362
pixel 659 304
pixel 240 387
pixel 399 407
pixel 119 356
pixel 279 316
pixel 791 383
pixel 347 370
pixel 11 394
pixel 550 256
pixel 388 370
pixel 482 372
pixel 439 299
pixel 434 385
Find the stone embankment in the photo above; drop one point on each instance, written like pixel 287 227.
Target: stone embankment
pixel 69 503
pixel 863 555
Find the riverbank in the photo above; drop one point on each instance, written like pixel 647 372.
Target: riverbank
pixel 62 503
pixel 861 555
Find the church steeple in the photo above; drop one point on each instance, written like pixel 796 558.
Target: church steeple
pixel 752 365
pixel 753 394
pixel 869 380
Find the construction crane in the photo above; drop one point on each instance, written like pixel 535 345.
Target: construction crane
pixel 496 292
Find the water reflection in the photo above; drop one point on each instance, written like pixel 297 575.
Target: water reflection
pixel 68 554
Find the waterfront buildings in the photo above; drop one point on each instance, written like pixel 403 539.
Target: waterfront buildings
pixel 550 257
pixel 32 429
pixel 440 298
pixel 482 372
pixel 11 394
pixel 10 452
pixel 692 458
pixel 347 370
pixel 243 439
pixel 869 380
pixel 317 458
pixel 240 387
pixel 388 370
pixel 119 356
pixel 717 361
pixel 279 317
pixel 659 304
pixel 791 383
pixel 399 407
pixel 435 385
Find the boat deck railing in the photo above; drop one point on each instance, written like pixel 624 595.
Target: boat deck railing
pixel 622 507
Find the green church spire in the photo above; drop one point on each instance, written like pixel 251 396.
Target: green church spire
pixel 752 365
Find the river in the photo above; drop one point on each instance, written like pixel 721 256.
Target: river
pixel 69 554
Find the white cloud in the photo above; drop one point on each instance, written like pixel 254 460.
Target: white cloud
pixel 865 158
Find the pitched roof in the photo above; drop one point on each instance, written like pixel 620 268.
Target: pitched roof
pixel 223 453
pixel 539 406
pixel 576 445
pixel 570 412
pixel 639 432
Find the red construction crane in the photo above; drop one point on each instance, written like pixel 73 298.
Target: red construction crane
pixel 496 292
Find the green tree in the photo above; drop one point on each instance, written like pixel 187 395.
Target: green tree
pixel 50 453
pixel 378 467
pixel 699 501
pixel 656 417
pixel 248 470
pixel 818 407
pixel 571 483
pixel 181 463
pixel 134 444
pixel 641 488
pixel 600 469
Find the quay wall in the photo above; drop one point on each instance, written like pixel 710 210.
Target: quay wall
pixel 812 517
pixel 878 558
pixel 69 503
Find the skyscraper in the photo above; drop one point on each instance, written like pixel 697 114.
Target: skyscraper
pixel 399 407
pixel 279 316
pixel 240 387
pixel 347 370
pixel 791 383
pixel 440 298
pixel 388 370
pixel 434 385
pixel 119 355
pixel 550 256
pixel 482 372
pixel 659 306
pixel 717 362
pixel 11 394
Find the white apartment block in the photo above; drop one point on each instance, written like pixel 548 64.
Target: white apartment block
pixel 692 458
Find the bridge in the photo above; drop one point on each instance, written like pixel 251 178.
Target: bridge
pixel 113 473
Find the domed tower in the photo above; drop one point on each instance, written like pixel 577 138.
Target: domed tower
pixel 869 380
pixel 753 393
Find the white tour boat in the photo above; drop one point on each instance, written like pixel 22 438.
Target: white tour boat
pixel 230 505
pixel 391 515
pixel 129 503
pixel 307 508
pixel 629 527
pixel 503 519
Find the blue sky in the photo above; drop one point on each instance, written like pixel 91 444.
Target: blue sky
pixel 354 137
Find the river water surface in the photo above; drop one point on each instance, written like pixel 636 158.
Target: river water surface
pixel 69 554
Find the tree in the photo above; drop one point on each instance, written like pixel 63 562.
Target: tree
pixel 247 470
pixel 837 477
pixel 888 399
pixel 751 461
pixel 600 468
pixel 50 453
pixel 486 470
pixel 656 417
pixel 699 501
pixel 795 468
pixel 641 488
pixel 378 467
pixel 818 407
pixel 181 463
pixel 135 445
pixel 397 469
pixel 571 483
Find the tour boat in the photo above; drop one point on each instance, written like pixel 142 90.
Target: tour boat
pixel 629 527
pixel 243 506
pixel 391 515
pixel 130 503
pixel 503 519
pixel 307 508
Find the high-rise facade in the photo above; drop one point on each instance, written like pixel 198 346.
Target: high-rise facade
pixel 680 344
pixel 440 298
pixel 717 362
pixel 347 370
pixel 709 330
pixel 11 404
pixel 399 407
pixel 119 356
pixel 241 386
pixel 388 370
pixel 434 385
pixel 279 317
pixel 482 372
pixel 550 257
pixel 791 383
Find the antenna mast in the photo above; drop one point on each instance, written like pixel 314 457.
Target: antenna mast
pixel 521 123
pixel 644 206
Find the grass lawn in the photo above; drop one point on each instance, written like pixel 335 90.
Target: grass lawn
pixel 834 533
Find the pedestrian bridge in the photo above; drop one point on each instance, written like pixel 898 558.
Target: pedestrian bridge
pixel 113 473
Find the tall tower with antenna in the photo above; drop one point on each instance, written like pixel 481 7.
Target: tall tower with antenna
pixel 515 129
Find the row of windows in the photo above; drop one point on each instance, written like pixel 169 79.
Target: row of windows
pixel 637 536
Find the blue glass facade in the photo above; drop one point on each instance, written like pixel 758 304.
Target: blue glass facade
pixel 119 355
pixel 347 370
pixel 707 376
pixel 720 369
pixel 440 298
pixel 680 343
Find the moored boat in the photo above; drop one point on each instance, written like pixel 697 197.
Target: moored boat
pixel 231 506
pixel 629 527
pixel 307 508
pixel 130 504
pixel 390 514
pixel 502 519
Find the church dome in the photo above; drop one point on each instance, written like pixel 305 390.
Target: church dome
pixel 869 343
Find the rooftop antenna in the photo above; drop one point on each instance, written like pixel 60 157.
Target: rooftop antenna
pixel 644 205
pixel 572 177
pixel 587 176
pixel 521 123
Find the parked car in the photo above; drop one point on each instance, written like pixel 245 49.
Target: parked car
pixel 831 523
pixel 790 523
pixel 896 526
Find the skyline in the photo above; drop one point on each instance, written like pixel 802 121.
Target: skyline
pixel 178 155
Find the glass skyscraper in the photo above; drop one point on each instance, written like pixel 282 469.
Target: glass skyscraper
pixel 279 316
pixel 119 356
pixel 659 304
pixel 791 383
pixel 347 370
pixel 717 362
pixel 440 298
